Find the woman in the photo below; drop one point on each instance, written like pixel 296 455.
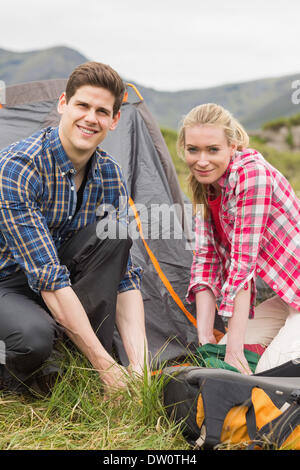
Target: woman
pixel 248 226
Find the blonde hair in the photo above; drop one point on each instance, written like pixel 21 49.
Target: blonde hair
pixel 215 115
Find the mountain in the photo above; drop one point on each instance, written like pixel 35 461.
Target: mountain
pixel 253 102
pixel 20 67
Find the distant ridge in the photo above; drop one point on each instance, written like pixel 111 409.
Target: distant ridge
pixel 253 102
pixel 56 62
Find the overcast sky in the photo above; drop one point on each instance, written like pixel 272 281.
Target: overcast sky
pixel 164 44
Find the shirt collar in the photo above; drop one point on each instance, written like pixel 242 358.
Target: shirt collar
pixel 62 158
pixel 95 166
pixel 224 178
pixel 59 153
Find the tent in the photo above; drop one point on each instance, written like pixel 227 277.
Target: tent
pixel 165 254
pixel 138 146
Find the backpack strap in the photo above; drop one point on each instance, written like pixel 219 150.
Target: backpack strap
pixel 277 430
pixel 218 400
pixel 251 422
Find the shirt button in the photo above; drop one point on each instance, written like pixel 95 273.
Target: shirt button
pixel 70 217
pixel 63 173
pixel 258 270
pixel 275 286
pixel 72 188
pixel 72 170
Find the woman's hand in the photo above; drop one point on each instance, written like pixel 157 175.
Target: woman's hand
pixel 237 326
pixel 210 339
pixel 237 359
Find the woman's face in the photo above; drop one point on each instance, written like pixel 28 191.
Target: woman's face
pixel 207 152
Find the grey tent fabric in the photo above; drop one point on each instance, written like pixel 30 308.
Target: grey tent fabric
pixel 28 108
pixel 138 146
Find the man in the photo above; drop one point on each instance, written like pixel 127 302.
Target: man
pixel 57 272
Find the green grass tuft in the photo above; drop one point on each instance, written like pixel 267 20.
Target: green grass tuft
pixel 76 415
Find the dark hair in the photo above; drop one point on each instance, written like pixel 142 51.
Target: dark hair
pixel 99 75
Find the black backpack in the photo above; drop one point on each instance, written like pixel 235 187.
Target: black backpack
pixel 223 409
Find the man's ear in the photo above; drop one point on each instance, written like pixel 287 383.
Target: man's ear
pixel 61 103
pixel 115 121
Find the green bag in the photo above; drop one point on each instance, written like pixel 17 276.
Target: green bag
pixel 213 355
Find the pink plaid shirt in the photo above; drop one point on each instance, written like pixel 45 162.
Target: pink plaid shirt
pixel 260 216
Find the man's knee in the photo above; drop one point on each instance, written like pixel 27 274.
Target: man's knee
pixel 109 236
pixel 113 230
pixel 125 243
pixel 114 239
pixel 30 346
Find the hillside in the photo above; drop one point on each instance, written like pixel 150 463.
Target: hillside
pixel 253 102
pixel 282 133
pixel 20 67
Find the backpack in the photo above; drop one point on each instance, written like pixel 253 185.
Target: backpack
pixel 223 409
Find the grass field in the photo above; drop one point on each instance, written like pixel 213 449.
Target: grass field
pixel 77 417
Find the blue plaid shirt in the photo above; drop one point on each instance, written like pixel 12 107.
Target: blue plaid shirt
pixel 37 208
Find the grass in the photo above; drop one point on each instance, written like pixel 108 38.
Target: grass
pixel 288 163
pixel 276 124
pixel 77 417
pixel 170 137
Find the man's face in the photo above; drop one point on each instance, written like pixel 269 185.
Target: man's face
pixel 86 119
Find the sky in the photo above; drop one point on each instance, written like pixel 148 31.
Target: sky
pixel 168 45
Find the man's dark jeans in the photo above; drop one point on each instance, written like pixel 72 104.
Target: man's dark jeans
pixel 26 326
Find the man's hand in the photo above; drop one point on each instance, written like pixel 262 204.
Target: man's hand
pixel 114 378
pixel 68 312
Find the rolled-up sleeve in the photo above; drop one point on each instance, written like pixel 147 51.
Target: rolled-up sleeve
pixel 24 227
pixel 132 279
pixel 206 266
